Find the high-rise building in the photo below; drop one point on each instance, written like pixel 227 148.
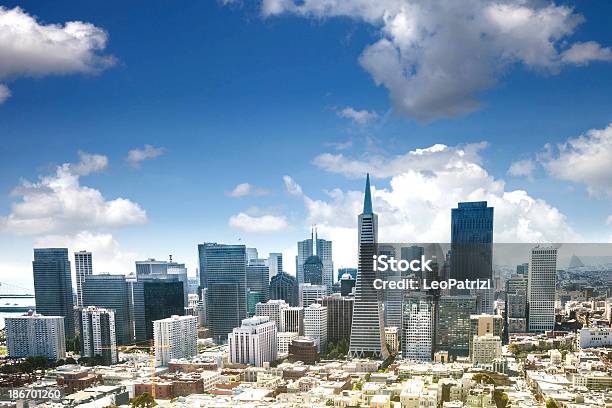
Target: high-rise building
pixel 292 319
pixel 225 273
pixel 486 349
pixel 418 327
pixel 283 340
pixel 110 292
pixel 472 248
pixel 522 269
pixel 392 339
pixel 284 286
pixel 253 298
pixel 252 254
pixel 273 309
pixel 257 275
pixel 516 304
pixel 309 293
pixel 98 334
pixel 393 302
pixel 541 288
pixel 483 324
pixel 53 285
pixel 315 325
pixel 313 270
pixel 453 324
pixel 347 283
pixel 175 337
pixel 339 317
pixel 34 335
pixel 315 246
pixel 275 263
pixel 167 270
pixel 254 342
pixel 367 331
pixel 83 268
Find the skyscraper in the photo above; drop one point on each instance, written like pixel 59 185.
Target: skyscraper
pixel 418 327
pixel 275 263
pixel 175 337
pixel 541 288
pixel 367 329
pixel 257 275
pixel 169 270
pixel 273 309
pixel 33 335
pixel 339 316
pixel 53 285
pixel 253 342
pixel 453 324
pixel 311 293
pixel 313 270
pixel 483 324
pixel 321 248
pixel 83 268
pixel 516 303
pixel 226 295
pixel 98 334
pixel 292 319
pixel 110 292
pixel 315 325
pixel 472 248
pixel 284 286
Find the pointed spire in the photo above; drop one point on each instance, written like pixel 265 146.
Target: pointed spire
pixel 367 201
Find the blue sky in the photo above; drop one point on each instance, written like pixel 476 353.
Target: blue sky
pixel 250 92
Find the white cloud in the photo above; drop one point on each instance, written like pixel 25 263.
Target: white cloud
pixel 523 168
pixel 263 223
pixel 32 49
pixel 360 117
pixel 246 189
pixel 106 253
pixel 59 204
pixel 583 53
pixel 609 220
pixel 584 159
pixel 292 187
pixel 137 156
pixel 424 185
pixel 436 57
pixel 5 93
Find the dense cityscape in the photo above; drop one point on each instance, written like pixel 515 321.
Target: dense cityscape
pixel 244 332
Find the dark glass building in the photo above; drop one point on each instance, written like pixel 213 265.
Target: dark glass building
pixel 258 277
pixel 313 270
pixel 339 317
pixel 53 285
pixel 110 292
pixel 284 286
pixel 452 331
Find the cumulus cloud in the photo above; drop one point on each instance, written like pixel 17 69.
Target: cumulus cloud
pixel 524 168
pixel 263 223
pixel 137 156
pixel 246 189
pixel 584 159
pixel 58 204
pixel 32 49
pixel 436 57
pixel 292 187
pixel 609 220
pixel 424 184
pixel 359 117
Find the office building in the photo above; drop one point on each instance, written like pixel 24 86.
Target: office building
pixel 53 285
pixel 541 288
pixel 516 303
pixel 226 295
pixel 83 268
pixel 472 248
pixel 273 309
pixel 175 337
pixel 315 325
pixel 257 275
pixel 309 293
pixel 151 269
pixel 292 319
pixel 34 335
pixel 483 324
pixel 252 254
pixel 284 286
pixel 339 317
pixel 418 327
pixel 313 270
pixel 393 302
pixel 283 340
pixel 487 348
pixel 347 283
pixel 254 342
pixel 453 324
pixel 253 298
pixel 367 331
pixel 315 246
pixel 304 349
pixel 275 263
pixel 98 338
pixel 392 338
pixel 110 292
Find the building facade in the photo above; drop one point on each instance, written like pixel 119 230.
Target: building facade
pixel 83 268
pixel 418 328
pixel 315 325
pixel 310 293
pixel 110 292
pixel 339 317
pixel 274 310
pixel 254 342
pixel 34 335
pixel 284 286
pixel 541 288
pixel 98 339
pixel 175 337
pixel 452 332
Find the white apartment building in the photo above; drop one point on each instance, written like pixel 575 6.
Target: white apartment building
pixel 273 309
pixel 315 325
pixel 589 337
pixel 175 337
pixel 418 325
pixel 254 342
pixel 284 339
pixel 309 293
pixel 35 335
pixel 98 337
pixel 486 348
pixel 292 319
pixel 541 288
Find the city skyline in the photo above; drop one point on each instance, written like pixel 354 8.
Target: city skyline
pixel 502 141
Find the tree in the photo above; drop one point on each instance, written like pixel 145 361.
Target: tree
pixel 551 403
pixel 144 400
